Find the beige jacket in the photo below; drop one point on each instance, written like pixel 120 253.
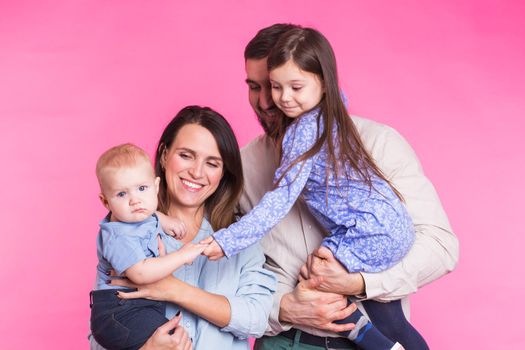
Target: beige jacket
pixel 435 251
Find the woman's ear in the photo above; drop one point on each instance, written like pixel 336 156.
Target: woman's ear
pixel 157 182
pixel 163 157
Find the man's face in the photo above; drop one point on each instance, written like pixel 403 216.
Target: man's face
pixel 260 93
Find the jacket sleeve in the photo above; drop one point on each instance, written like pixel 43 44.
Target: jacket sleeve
pixel 252 302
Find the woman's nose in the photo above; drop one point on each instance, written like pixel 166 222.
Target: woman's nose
pixel 196 170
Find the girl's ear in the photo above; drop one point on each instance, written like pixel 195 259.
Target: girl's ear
pixel 104 201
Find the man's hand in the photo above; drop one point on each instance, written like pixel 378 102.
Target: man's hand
pixel 335 277
pixel 161 339
pixel 214 250
pixel 307 306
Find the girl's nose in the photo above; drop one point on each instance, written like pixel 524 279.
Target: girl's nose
pixel 285 96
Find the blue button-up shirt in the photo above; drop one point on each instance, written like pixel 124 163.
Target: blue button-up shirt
pixel 242 280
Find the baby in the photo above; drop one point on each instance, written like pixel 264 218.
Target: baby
pixel 130 243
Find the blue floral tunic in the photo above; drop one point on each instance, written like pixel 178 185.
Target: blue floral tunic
pixel 369 229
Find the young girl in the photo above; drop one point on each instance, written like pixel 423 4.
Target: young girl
pixel 323 159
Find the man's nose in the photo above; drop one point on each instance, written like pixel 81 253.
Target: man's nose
pixel 265 98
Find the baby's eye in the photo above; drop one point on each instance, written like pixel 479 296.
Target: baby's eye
pixel 143 188
pixel 121 194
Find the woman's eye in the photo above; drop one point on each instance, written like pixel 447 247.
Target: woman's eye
pixel 275 87
pixel 121 194
pixel 184 156
pixel 213 165
pixel 254 87
pixel 143 188
pixel 296 88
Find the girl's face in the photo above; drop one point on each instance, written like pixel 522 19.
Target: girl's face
pixel 295 91
pixel 193 167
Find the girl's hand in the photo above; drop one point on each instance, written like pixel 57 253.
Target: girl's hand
pixel 162 339
pixel 214 250
pixel 172 226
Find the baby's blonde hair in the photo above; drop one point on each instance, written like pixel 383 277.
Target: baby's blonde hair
pixel 121 156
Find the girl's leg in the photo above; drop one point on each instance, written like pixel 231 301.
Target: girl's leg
pixel 365 334
pixel 391 321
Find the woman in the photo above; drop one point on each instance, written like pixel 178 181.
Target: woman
pixel 222 302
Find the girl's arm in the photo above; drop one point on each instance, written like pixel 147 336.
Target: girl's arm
pixel 275 204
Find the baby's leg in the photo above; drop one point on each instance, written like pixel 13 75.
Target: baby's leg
pixel 124 324
pixel 391 321
pixel 365 334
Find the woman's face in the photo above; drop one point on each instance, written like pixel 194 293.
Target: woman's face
pixel 193 167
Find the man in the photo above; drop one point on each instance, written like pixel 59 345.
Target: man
pixel 304 313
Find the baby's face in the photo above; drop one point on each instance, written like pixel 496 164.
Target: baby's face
pixel 130 193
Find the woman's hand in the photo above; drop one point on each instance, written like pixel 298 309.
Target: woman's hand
pixel 162 339
pixel 214 250
pixel 162 290
pixel 335 277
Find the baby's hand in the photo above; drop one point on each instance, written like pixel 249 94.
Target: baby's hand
pixel 213 250
pixel 190 251
pixel 173 226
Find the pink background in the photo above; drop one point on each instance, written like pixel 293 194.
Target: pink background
pixel 78 77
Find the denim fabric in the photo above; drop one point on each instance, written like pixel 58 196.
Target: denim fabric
pixel 119 324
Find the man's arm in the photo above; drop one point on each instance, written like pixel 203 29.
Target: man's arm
pixel 436 249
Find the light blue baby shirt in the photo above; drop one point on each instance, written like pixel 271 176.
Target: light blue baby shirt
pixel 121 245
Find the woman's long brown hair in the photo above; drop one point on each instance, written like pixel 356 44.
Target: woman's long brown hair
pixel 221 205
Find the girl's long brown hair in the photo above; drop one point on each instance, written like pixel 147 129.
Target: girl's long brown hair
pixel 312 52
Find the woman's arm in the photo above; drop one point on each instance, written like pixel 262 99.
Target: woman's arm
pixel 242 311
pixel 212 307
